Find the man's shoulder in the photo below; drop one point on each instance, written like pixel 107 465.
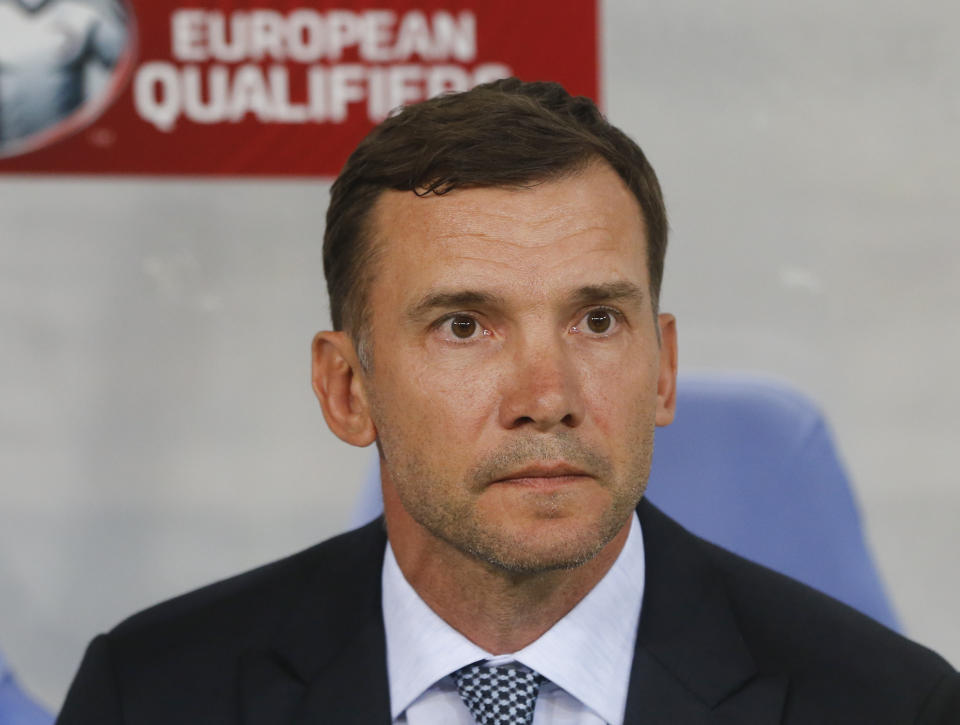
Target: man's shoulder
pixel 832 653
pixel 833 656
pixel 249 607
pixel 269 628
pixel 803 621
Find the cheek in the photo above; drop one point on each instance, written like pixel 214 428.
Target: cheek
pixel 451 402
pixel 621 396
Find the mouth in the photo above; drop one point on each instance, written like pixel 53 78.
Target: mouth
pixel 544 475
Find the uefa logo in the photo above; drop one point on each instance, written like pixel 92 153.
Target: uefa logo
pixel 62 63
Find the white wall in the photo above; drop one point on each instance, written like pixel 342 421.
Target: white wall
pixel 157 428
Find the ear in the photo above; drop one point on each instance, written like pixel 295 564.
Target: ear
pixel 338 384
pixel 667 382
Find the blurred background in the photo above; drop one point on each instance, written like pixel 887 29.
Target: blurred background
pixel 157 427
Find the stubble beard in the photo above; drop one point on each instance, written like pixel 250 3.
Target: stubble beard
pixel 448 512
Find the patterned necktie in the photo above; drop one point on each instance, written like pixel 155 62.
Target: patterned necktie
pixel 499 694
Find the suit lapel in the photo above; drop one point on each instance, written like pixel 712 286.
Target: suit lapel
pixel 326 661
pixel 352 689
pixel 691 664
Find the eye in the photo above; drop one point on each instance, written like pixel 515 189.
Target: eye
pixel 463 327
pixel 599 321
pixel 460 328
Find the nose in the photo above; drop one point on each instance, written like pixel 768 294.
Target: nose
pixel 541 387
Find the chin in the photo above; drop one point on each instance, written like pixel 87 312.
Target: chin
pixel 538 546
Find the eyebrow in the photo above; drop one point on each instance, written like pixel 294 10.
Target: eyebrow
pixel 443 299
pixel 609 292
pixel 463 299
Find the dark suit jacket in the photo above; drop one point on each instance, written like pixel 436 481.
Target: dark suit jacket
pixel 720 640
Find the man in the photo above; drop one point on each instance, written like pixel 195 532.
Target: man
pixel 494 261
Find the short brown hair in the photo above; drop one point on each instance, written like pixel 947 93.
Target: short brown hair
pixel 507 134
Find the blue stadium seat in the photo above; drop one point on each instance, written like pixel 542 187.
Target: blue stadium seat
pixel 16 708
pixel 749 464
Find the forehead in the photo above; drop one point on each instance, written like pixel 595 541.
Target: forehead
pixel 552 233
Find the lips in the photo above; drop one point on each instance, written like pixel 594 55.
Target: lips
pixel 543 472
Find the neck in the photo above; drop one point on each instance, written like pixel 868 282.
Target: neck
pixel 500 611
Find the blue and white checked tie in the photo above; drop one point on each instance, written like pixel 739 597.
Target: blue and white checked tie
pixel 499 694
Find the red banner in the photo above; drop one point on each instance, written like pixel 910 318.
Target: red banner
pixel 241 88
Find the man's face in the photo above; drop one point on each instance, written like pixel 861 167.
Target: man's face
pixel 517 374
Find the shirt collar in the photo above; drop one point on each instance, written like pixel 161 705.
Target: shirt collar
pixel 588 653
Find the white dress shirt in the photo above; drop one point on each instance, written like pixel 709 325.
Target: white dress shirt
pixel 586 656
